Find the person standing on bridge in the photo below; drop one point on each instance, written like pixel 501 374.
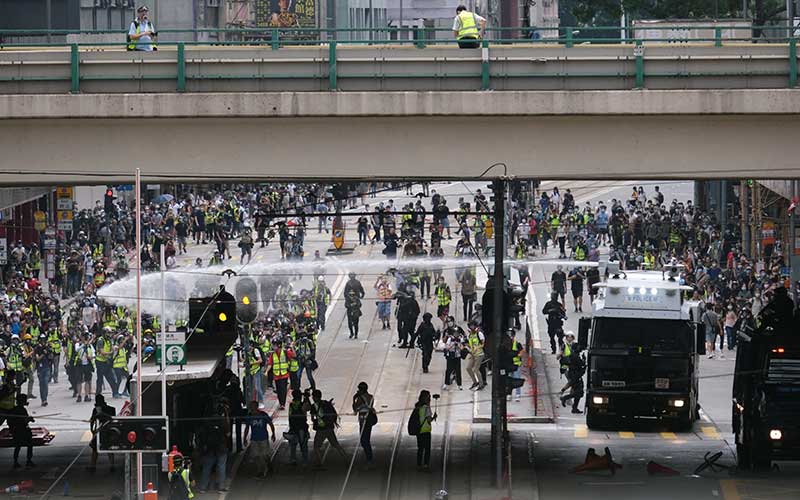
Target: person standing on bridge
pixel 142 32
pixel 468 28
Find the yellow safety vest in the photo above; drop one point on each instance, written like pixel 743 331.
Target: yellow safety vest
pixel 424 424
pixel 649 262
pixel 442 296
pixel 469 25
pixel 14 359
pixel 104 352
pixel 580 254
pixel 475 343
pixel 517 359
pixel 255 365
pixel 121 359
pixel 293 365
pixel 132 46
pixel 280 366
pixel 54 342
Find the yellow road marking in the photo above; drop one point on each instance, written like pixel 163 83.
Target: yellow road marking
pixel 626 435
pixel 711 432
pixel 669 435
pixel 386 427
pixel 581 431
pixel 86 437
pixel 729 489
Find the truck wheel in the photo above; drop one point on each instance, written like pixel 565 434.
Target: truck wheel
pixel 759 457
pixel 683 424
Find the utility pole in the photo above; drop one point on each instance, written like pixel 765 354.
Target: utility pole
pixel 755 221
pixel 744 216
pixel 498 398
pixel 794 257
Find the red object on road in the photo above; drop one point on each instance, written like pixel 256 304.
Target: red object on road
pixel 657 468
pixel 26 485
pixel 41 437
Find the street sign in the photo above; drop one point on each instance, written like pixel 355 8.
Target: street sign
pixel 176 350
pixel 124 187
pixel 65 225
pixel 64 204
pixel 49 243
pixel 39 220
pixel 3 252
pixel 50 265
pixel 64 215
pixel 64 192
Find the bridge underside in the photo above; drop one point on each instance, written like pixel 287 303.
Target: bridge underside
pixel 569 141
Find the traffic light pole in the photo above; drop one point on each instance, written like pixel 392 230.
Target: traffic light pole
pixel 498 397
pixel 138 404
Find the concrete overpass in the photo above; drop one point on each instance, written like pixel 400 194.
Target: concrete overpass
pixel 49 135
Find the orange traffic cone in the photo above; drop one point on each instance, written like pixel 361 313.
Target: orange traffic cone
pixel 656 468
pixel 150 493
pixel 19 487
pixel 596 462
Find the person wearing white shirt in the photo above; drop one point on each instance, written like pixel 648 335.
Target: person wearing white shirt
pixel 142 31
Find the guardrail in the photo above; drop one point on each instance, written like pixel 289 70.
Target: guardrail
pixel 317 60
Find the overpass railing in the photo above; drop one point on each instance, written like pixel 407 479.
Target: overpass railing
pixel 306 59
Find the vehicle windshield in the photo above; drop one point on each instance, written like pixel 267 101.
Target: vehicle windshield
pixel 652 334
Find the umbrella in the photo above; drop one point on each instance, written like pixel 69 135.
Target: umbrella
pixel 163 198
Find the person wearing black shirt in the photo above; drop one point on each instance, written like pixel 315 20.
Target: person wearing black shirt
pixel 43 356
pixel 426 336
pixel 554 313
pixel 102 414
pixel 576 278
pixel 558 283
pixel 19 425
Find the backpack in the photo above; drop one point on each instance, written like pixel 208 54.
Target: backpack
pixel 177 487
pixel 329 415
pixel 414 426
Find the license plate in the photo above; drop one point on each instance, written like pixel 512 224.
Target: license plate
pixel 662 383
pixel 613 383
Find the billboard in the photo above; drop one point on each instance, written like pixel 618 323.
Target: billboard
pixel 286 13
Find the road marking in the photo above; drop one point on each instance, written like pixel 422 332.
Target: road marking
pixel 669 435
pixel 581 431
pixel 729 489
pixel 386 427
pixel 86 437
pixel 530 315
pixel 461 429
pixel 626 435
pixel 704 416
pixel 618 483
pixel 711 432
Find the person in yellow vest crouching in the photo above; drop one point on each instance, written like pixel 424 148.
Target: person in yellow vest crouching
pixel 468 28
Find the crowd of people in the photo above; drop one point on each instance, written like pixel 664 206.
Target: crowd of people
pixel 65 329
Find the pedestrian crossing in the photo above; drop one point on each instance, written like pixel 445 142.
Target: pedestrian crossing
pixel 581 431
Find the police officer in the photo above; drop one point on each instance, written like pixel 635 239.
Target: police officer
pixel 555 315
pixel 575 372
pixel 19 423
pixel 407 313
pixel 426 336
pixel 353 305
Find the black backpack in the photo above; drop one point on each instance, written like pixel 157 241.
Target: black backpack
pixel 329 415
pixel 177 487
pixel 414 425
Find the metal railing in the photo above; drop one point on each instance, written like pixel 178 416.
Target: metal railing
pixel 328 42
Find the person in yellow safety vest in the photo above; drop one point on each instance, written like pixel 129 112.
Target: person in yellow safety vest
pixel 14 356
pixel 580 252
pixel 475 341
pixel 443 298
pixel 674 239
pixel 516 350
pixel 555 222
pixel 180 479
pixel 279 365
pixel 255 375
pixel 649 260
pixel 54 341
pixel 423 409
pixel 99 277
pixel 35 260
pixel 97 253
pixel 120 366
pixel 566 352
pixel 142 32
pixel 468 28
pixel 103 362
pixel 294 373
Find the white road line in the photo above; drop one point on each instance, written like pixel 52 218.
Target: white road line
pixel 530 313
pixel 336 292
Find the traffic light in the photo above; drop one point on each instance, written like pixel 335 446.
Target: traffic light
pixel 129 434
pixel 513 304
pixel 212 321
pixel 246 300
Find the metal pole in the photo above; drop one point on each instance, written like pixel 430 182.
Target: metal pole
pixel 794 258
pixel 139 473
pixel 371 21
pixel 48 8
pixel 163 335
pixel 401 20
pixel 498 399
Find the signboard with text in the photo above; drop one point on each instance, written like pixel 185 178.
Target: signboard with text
pixel 286 14
pixel 3 252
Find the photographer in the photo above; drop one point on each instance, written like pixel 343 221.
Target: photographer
pixel 142 32
pixel 298 425
pixel 43 356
